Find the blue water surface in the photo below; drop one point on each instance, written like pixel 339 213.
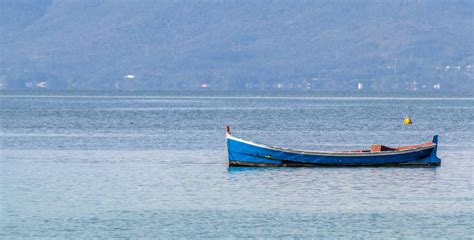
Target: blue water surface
pixel 153 165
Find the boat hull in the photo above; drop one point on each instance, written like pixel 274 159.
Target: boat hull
pixel 245 153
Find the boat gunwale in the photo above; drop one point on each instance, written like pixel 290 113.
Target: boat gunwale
pixel 343 154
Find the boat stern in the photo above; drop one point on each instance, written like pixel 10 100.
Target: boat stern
pixel 434 160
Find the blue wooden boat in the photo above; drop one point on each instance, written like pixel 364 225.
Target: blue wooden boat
pixel 241 152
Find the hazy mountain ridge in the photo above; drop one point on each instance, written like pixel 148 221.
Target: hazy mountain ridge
pixel 238 44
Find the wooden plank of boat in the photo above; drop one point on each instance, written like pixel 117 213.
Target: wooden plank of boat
pixel 242 152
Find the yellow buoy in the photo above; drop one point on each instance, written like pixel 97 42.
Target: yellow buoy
pixel 407 121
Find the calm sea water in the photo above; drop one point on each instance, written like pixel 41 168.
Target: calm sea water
pixel 153 165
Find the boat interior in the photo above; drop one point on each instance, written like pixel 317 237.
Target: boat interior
pixel 383 148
